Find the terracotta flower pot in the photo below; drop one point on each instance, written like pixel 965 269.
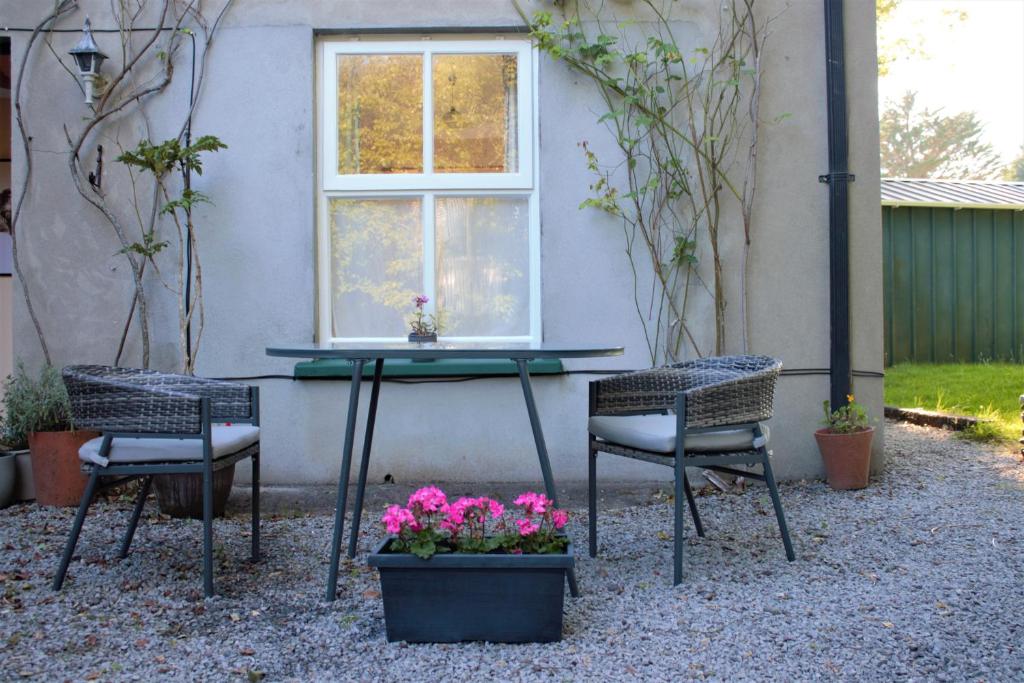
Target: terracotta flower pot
pixel 56 469
pixel 847 457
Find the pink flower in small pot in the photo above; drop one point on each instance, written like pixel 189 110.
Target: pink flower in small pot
pixel 420 300
pixel 527 527
pixel 396 517
pixel 559 518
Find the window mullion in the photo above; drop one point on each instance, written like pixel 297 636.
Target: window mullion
pixel 428 114
pixel 429 258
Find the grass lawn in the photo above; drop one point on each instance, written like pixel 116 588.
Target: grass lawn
pixel 990 390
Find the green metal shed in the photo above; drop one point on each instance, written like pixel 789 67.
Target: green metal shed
pixel 953 254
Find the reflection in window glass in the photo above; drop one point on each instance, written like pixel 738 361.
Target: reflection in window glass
pixel 475 113
pixel 482 265
pixel 380 114
pixel 377 265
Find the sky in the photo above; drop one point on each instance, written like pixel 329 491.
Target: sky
pixel 971 65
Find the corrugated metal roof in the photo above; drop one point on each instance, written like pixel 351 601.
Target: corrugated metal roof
pixel 966 194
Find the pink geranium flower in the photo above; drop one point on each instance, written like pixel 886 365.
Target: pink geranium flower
pixel 527 527
pixel 534 503
pixel 559 518
pixel 430 499
pixel 496 509
pixel 396 517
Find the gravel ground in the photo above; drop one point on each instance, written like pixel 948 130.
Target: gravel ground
pixel 920 576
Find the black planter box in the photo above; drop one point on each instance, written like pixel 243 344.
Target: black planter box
pixel 457 597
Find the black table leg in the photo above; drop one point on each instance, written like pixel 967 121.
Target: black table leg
pixel 346 466
pixel 538 434
pixel 364 464
pixel 542 450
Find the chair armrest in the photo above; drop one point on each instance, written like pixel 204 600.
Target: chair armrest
pixel 108 404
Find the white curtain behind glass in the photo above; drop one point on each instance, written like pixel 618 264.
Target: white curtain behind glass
pixel 482 265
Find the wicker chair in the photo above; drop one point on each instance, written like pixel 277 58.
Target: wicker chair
pixel 155 423
pixel 718 405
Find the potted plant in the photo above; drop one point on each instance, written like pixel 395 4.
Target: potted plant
pixel 15 466
pixel 13 450
pixel 425 328
pixel 39 409
pixel 8 473
pixel 845 445
pixel 469 571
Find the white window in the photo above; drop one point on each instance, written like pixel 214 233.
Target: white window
pixel 427 185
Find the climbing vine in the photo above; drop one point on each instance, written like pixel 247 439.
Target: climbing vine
pixel 685 120
pixel 151 34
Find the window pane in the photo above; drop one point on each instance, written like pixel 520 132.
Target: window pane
pixel 483 264
pixel 377 265
pixel 475 114
pixel 380 114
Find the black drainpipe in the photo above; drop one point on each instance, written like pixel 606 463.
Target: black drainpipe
pixel 838 206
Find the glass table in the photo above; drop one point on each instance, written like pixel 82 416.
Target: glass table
pixel 362 354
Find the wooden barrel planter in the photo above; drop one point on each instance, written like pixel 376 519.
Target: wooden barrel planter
pixel 181 495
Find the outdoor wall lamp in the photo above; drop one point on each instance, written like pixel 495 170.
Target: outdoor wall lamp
pixel 89 59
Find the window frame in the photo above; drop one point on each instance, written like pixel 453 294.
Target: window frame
pixel 521 179
pixel 427 186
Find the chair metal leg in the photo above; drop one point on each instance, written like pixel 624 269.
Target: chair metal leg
pixel 773 491
pixel 76 529
pixel 346 466
pixel 208 530
pixel 693 505
pixel 140 503
pixel 677 529
pixel 256 507
pixel 364 463
pixel 682 488
pixel 592 500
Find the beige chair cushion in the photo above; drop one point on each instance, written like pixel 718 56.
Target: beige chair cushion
pixel 657 433
pixel 226 440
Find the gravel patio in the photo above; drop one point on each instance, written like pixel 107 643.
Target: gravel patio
pixel 919 576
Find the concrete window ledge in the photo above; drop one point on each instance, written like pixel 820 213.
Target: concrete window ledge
pixel 404 368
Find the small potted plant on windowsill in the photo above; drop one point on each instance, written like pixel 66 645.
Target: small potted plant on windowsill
pixel 468 571
pixel 845 445
pixel 425 327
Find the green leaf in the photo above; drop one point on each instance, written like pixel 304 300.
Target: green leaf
pixel 423 548
pixel 148 248
pixel 617 113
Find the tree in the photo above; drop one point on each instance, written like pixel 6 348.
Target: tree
pixel 926 144
pixel 894 46
pixel 1015 169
